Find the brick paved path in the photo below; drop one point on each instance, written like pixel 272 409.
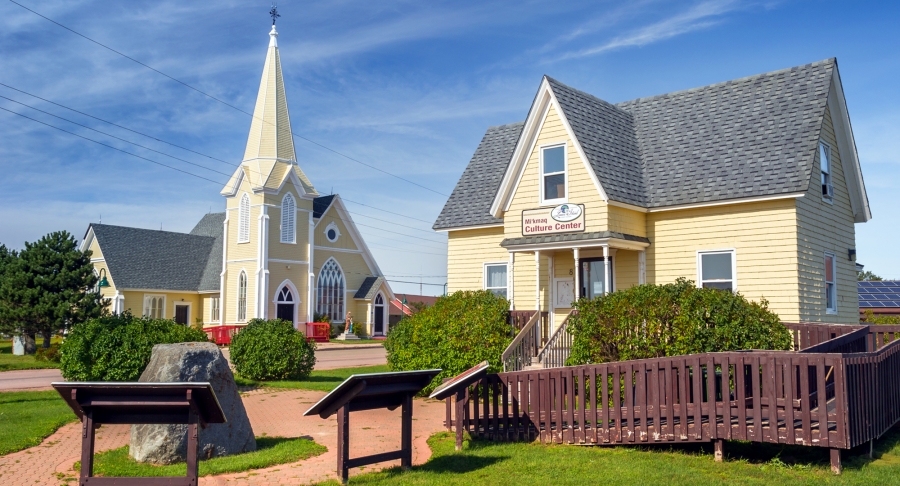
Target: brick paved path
pixel 273 413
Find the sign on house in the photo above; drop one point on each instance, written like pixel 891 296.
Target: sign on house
pixel 565 218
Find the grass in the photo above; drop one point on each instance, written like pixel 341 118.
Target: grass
pixel 270 451
pixel 26 418
pixel 324 380
pixel 484 462
pixel 10 362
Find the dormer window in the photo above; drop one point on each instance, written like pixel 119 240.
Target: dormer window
pixel 825 164
pixel 553 174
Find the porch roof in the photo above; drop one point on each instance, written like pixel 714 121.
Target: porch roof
pixel 575 240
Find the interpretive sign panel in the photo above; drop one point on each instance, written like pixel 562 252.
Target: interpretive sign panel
pixel 565 218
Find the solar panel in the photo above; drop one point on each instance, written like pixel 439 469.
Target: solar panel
pixel 879 294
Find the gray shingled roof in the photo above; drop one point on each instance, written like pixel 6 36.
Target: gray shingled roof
pixel 211 225
pixel 321 204
pixel 599 235
pixel 150 259
pixel 754 136
pixel 470 202
pixel 369 288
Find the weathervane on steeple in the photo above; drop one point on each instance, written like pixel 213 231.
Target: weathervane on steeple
pixel 274 13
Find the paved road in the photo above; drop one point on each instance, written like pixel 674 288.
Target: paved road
pixel 28 379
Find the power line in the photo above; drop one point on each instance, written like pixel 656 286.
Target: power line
pixel 226 103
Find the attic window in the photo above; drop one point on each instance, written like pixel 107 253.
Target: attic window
pixel 825 164
pixel 332 233
pixel 553 174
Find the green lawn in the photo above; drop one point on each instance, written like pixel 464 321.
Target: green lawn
pixel 270 452
pixel 9 361
pixel 26 418
pixel 325 380
pixel 484 462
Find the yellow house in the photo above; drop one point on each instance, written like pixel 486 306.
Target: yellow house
pixel 751 185
pixel 280 249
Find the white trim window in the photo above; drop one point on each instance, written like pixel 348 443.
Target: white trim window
pixel 330 291
pixel 214 309
pixel 332 232
pixel 244 220
pixel 495 278
pixel 716 269
pixel 554 174
pixel 242 297
pixel 830 284
pixel 288 219
pixel 155 306
pixel 825 166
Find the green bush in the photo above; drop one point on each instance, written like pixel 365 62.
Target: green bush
pixel 50 355
pixel 871 318
pixel 457 332
pixel 272 350
pixel 118 347
pixel 650 321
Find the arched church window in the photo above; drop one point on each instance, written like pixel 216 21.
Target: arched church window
pixel 242 297
pixel 154 306
pixel 244 219
pixel 330 291
pixel 288 218
pixel 284 307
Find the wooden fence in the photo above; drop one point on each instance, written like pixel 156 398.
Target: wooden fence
pixel 840 391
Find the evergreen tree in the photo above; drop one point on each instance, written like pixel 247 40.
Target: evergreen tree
pixel 7 257
pixel 49 286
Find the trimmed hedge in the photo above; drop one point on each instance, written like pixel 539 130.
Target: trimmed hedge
pixel 118 347
pixel 457 332
pixel 650 321
pixel 272 350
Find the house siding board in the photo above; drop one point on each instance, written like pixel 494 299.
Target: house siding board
pixel 297 275
pixel 231 290
pixel 827 227
pixel 344 241
pixel 581 187
pixel 626 267
pixel 763 234
pixel 627 221
pixel 354 266
pixel 467 252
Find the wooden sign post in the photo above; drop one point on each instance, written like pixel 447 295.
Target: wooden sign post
pixel 194 404
pixel 458 386
pixel 368 392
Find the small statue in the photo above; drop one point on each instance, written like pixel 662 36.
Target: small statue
pixel 348 324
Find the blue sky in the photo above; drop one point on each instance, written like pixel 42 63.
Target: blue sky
pixel 408 87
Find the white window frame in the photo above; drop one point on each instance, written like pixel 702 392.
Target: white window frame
pixel 190 307
pixel 484 277
pixel 829 180
pixel 242 299
pixel 561 200
pixel 337 232
pixel 734 276
pixel 243 235
pixel 344 303
pixel 289 220
pixel 215 311
pixel 832 311
pixel 148 312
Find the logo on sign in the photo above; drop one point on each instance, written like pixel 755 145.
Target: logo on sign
pixel 565 212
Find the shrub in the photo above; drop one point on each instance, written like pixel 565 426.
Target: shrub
pixel 871 318
pixel 272 350
pixel 118 347
pixel 50 354
pixel 457 332
pixel 651 321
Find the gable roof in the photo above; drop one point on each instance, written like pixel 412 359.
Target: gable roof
pixel 150 259
pixel 369 288
pixel 321 204
pixel 750 137
pixel 469 203
pixel 211 225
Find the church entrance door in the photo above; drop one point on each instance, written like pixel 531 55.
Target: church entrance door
pixel 284 308
pixel 379 315
pixel 181 314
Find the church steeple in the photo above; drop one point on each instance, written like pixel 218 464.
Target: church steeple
pixel 269 156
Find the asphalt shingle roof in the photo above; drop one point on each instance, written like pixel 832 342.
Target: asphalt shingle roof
pixel 369 288
pixel 211 225
pixel 150 259
pixel 531 240
pixel 320 205
pixel 754 136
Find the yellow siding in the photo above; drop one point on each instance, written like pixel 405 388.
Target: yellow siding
pixel 297 251
pixel 97 253
pixel 206 301
pixel 467 252
pixel 134 302
pixel 229 309
pixel 353 264
pixel 563 268
pixel 626 268
pixel 627 221
pixel 297 276
pixel 764 235
pixel 344 241
pixel 581 188
pixel 827 227
pixel 524 283
pixel 243 251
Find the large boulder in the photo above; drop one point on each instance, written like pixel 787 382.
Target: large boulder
pixel 192 362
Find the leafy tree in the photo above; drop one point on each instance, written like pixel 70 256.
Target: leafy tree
pixel 7 257
pixel 50 285
pixel 867 276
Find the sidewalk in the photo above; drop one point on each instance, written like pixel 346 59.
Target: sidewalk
pixel 274 413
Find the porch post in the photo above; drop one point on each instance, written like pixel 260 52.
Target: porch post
pixel 642 267
pixel 510 281
pixel 370 321
pixel 537 280
pixel 577 275
pixel 606 269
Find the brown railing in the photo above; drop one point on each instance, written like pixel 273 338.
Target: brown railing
pixel 555 353
pixel 524 346
pixel 806 334
pixel 836 399
pixel 518 319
